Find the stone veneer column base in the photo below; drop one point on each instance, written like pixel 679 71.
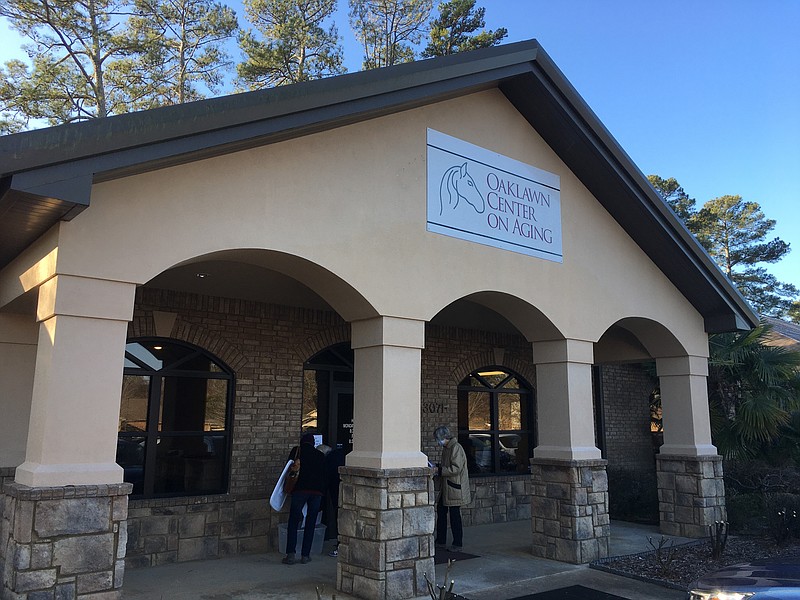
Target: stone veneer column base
pixel 386 524
pixel 569 509
pixel 63 543
pixel 691 494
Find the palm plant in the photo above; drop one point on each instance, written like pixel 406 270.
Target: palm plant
pixel 753 390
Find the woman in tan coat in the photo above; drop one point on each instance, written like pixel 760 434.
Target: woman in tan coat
pixel 454 492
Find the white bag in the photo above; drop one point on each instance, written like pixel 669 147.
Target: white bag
pixel 278 495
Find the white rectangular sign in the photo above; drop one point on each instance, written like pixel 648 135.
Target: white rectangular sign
pixel 481 196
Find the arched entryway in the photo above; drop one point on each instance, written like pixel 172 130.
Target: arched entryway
pixel 655 431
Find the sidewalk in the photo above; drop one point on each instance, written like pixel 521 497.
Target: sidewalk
pixel 505 569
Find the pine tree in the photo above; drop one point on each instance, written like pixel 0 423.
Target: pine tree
pixel 73 44
pixel 678 200
pixel 452 31
pixel 296 46
pixel 389 30
pixel 735 233
pixel 180 51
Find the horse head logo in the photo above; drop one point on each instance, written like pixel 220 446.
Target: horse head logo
pixel 457 184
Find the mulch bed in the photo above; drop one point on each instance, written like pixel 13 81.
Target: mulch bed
pixel 691 561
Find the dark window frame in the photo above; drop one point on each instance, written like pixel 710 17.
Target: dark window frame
pixel 494 433
pixel 152 434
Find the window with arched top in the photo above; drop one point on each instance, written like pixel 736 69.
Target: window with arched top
pixel 175 419
pixel 495 421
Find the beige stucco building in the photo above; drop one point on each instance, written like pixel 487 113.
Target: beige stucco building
pixel 246 267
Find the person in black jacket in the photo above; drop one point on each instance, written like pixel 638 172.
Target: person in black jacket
pixel 308 491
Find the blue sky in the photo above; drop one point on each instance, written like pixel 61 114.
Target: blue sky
pixel 704 91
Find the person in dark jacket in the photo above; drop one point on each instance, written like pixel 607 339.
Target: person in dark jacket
pixel 308 491
pixel 454 492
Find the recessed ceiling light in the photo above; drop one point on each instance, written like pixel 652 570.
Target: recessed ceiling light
pixel 202 275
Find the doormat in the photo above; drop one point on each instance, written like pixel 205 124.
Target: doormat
pixel 443 555
pixel 573 592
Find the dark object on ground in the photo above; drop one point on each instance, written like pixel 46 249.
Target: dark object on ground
pixel 770 578
pixel 573 592
pixel 443 555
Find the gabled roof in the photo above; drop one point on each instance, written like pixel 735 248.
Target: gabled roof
pixel 46 175
pixel 784 333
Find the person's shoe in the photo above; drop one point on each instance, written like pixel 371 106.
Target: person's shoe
pixel 288 559
pixel 305 559
pixel 457 549
pixel 334 552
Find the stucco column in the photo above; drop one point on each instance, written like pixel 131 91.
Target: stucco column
pixel 569 485
pixel 74 416
pixel 564 400
pixel 388 379
pixel 18 338
pixel 684 406
pixel 691 492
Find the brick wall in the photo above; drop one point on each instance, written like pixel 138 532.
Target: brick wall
pixel 266 346
pixel 628 443
pixel 450 355
pixel 626 389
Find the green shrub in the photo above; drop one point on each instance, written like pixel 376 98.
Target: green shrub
pixel 745 512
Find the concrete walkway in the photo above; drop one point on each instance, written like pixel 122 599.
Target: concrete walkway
pixel 504 570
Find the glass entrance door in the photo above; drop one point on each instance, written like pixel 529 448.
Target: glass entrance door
pixel 343 424
pixel 328 396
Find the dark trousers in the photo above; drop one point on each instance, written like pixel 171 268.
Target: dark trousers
pixel 455 523
pixel 300 499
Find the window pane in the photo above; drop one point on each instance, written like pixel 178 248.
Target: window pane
pixel 512 384
pixel 509 411
pixel 190 464
pixel 515 452
pixel 146 355
pixel 216 404
pixel 340 355
pixel 478 448
pixel 310 416
pixel 193 404
pixel 478 411
pixel 133 406
pixel 493 378
pixel 130 456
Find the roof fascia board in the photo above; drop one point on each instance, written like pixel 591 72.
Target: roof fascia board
pixel 625 170
pixel 178 150
pixel 46 147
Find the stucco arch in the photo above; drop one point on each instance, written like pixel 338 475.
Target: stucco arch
pixel 526 318
pixel 638 339
pixel 347 301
